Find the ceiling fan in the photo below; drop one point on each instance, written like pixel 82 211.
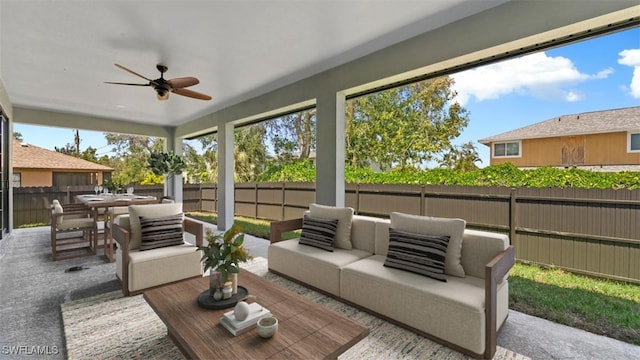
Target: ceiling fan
pixel 164 87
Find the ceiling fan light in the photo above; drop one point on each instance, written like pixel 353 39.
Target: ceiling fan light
pixel 162 94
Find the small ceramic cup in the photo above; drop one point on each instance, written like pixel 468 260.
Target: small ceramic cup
pixel 267 327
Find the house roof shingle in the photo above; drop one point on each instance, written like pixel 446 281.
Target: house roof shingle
pixel 625 119
pixel 28 156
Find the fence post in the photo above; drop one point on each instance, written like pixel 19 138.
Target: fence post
pixel 283 201
pixel 512 215
pixel 255 202
pixel 357 198
pixel 422 204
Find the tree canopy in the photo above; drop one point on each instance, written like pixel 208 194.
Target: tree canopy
pixel 404 126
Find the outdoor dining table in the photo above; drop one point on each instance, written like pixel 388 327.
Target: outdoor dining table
pixel 106 202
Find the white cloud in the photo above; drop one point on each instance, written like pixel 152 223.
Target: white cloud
pixel 572 96
pixel 536 74
pixel 631 57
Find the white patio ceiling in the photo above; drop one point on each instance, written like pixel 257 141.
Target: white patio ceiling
pixel 56 55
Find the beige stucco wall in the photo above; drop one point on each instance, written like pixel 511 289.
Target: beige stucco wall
pixel 44 177
pixel 31 177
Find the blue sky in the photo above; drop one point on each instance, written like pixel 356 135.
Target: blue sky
pixel 592 75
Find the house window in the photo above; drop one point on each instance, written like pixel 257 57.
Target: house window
pixel 17 180
pixel 634 142
pixel 506 149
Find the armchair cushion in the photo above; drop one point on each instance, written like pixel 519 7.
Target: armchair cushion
pixel 161 231
pixel 153 210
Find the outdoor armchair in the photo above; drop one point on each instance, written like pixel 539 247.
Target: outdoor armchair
pixel 140 265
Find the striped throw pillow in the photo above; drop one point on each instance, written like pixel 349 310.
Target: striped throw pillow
pixel 320 233
pixel 161 231
pixel 420 254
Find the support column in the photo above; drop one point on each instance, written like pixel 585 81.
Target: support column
pixel 330 127
pixel 226 182
pixel 173 183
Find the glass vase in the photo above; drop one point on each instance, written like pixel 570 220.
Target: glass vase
pixel 215 281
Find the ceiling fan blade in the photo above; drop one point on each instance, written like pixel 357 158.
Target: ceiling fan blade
pixel 183 82
pixel 133 72
pixel 191 94
pixel 119 83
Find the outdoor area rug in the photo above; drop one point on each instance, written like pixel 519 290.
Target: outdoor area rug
pixel 110 326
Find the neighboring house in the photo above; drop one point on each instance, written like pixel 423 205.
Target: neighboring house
pixel 35 166
pixel 606 140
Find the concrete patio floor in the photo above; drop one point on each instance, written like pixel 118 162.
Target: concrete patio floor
pixel 32 287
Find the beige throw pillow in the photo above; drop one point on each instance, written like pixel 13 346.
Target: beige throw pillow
pixel 426 225
pixel 344 216
pixel 152 210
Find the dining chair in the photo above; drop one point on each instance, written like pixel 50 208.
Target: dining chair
pixel 74 231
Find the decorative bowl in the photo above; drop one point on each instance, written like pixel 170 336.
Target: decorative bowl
pixel 267 327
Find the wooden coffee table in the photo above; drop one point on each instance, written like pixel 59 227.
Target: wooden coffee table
pixel 306 330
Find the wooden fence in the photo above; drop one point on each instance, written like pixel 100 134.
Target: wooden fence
pixel 589 231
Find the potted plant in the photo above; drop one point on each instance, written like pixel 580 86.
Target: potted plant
pixel 222 255
pixel 163 163
pixel 112 185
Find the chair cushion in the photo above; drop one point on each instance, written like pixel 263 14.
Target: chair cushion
pixel 57 209
pixel 161 266
pixel 344 216
pixel 70 224
pixel 319 233
pixel 426 225
pixel 161 231
pixel 420 254
pixel 136 211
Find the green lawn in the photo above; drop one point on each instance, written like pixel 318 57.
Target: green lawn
pixel 255 227
pixel 602 307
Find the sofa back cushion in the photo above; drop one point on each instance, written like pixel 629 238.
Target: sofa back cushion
pixel 363 232
pixel 427 225
pixel 344 216
pixel 382 238
pixel 153 210
pixel 479 247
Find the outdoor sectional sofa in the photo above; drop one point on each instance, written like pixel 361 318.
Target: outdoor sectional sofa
pixel 464 313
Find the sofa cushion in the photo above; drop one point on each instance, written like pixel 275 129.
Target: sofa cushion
pixel 319 233
pixel 426 225
pixel 135 211
pixel 318 268
pixel 161 231
pixel 420 254
pixel 453 311
pixel 480 247
pixel 363 232
pixel 344 216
